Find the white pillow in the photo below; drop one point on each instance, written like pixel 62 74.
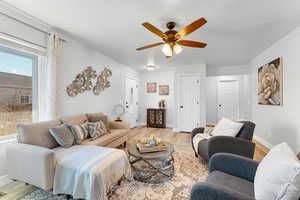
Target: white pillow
pixel 227 127
pixel 278 175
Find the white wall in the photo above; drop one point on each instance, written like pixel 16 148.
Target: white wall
pixel 212 96
pixel 276 124
pixel 75 58
pixel 150 100
pixel 227 70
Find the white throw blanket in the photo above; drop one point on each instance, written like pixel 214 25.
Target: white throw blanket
pixel 90 172
pixel 197 138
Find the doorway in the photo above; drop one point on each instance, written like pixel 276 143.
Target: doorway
pixel 188 103
pixel 131 101
pixel 228 99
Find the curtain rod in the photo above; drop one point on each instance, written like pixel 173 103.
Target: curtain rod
pixel 29 25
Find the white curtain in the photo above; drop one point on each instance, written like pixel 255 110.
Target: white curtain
pixel 47 79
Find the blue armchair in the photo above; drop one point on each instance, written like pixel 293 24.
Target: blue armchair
pixel 231 178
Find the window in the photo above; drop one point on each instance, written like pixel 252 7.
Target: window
pixel 18 86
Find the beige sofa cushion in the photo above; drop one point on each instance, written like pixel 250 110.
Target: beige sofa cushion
pixel 95 117
pixel 37 133
pixel 74 120
pixel 106 139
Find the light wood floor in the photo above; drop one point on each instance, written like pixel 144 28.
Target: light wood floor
pixel 15 190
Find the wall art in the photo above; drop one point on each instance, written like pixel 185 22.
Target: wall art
pixel 102 81
pixel 151 87
pixel 82 82
pixel 270 83
pixel 163 89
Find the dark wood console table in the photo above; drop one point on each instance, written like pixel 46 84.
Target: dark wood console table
pixel 156 117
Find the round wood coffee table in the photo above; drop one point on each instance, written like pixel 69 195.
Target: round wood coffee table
pixel 155 167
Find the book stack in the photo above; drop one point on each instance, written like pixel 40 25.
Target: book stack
pixel 144 148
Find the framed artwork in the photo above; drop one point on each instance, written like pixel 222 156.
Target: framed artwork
pixel 163 90
pixel 270 83
pixel 151 87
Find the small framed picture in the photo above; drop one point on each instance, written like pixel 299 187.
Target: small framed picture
pixel 151 87
pixel 164 90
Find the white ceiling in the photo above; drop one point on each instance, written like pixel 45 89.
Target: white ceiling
pixel 237 30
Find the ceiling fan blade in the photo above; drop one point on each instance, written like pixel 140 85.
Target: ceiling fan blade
pixel 190 28
pixel 150 46
pixel 190 43
pixel 155 30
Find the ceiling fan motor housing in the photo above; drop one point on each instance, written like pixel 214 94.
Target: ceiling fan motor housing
pixel 171 25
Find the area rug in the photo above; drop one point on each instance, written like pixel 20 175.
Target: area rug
pixel 188 170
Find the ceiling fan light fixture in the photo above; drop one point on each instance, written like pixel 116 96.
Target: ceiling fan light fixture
pixel 177 48
pixel 167 50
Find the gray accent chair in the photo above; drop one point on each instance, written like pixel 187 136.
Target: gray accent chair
pixel 241 144
pixel 231 177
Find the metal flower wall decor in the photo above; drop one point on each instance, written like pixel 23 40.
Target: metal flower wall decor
pixel 102 81
pixel 84 82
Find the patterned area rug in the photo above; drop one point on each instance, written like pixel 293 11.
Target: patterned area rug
pixel 188 170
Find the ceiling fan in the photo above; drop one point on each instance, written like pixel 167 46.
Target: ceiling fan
pixel 172 39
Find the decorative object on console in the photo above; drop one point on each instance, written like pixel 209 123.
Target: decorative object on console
pixel 163 90
pixel 156 117
pixel 151 87
pixel 102 81
pixel 82 82
pixel 162 103
pixel 270 83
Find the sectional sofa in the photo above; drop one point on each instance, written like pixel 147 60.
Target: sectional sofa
pixel 33 159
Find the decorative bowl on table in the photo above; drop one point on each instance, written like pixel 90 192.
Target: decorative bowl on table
pixel 150 144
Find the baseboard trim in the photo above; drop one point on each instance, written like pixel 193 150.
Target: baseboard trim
pixel 263 141
pixel 4 180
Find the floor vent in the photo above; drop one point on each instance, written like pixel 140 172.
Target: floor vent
pixel 2 194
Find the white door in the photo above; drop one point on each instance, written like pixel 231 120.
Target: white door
pixel 228 99
pixel 188 103
pixel 131 101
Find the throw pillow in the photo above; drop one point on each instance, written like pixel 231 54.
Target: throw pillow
pixel 80 132
pixel 97 129
pixel 96 117
pixel 278 175
pixel 63 135
pixel 227 127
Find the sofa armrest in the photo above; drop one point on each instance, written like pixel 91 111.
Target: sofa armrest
pixel 234 145
pixel 206 191
pixel 234 165
pixel 31 164
pixel 195 131
pixel 118 125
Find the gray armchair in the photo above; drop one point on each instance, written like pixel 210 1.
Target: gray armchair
pixel 230 177
pixel 241 144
